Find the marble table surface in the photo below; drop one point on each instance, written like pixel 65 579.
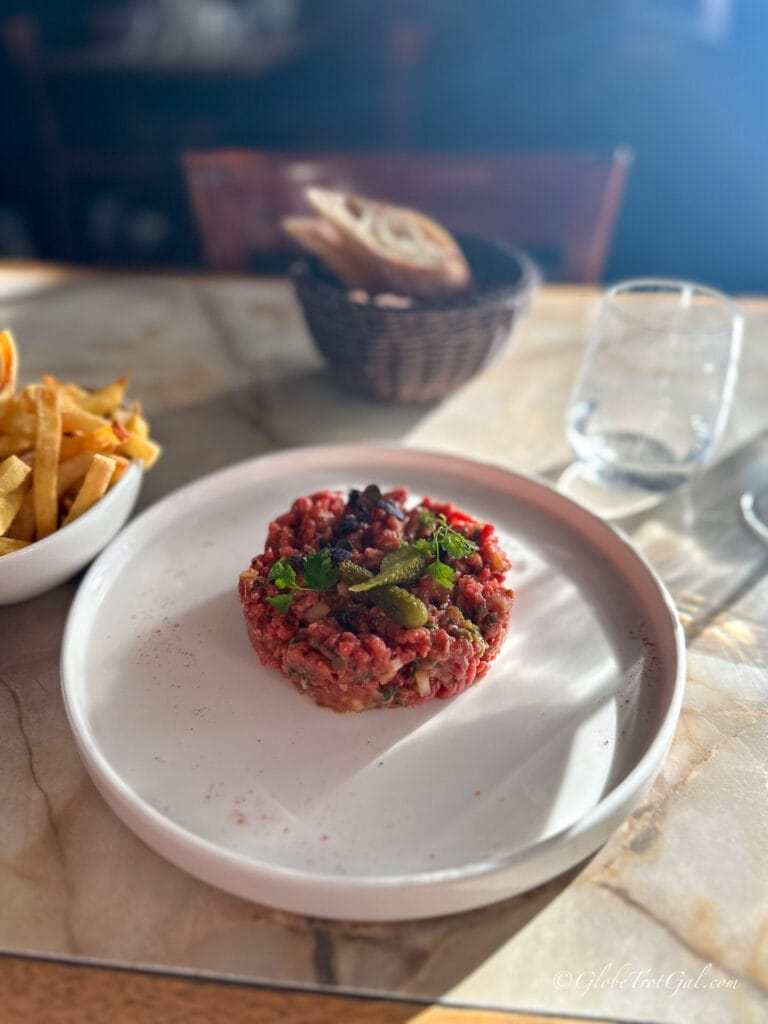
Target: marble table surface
pixel 667 922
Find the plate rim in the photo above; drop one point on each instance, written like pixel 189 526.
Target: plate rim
pixel 628 791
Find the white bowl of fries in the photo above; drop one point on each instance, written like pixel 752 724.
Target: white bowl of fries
pixel 71 466
pixel 41 565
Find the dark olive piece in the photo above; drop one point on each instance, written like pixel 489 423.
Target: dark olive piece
pixel 372 494
pixel 348 524
pixel 391 508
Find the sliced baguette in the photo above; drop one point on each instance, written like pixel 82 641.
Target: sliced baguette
pixel 322 239
pixel 392 248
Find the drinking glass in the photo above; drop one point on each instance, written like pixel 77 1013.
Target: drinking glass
pixel 655 386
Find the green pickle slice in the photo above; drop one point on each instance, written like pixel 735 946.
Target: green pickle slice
pixel 404 565
pixel 405 608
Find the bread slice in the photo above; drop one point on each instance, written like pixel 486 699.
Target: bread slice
pixel 392 248
pixel 322 238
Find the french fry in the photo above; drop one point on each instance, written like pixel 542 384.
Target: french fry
pixel 94 486
pixel 23 526
pixel 141 448
pixel 121 464
pixel 9 366
pixel 13 473
pixel 17 420
pixel 61 447
pixel 73 418
pixel 104 401
pixel 136 424
pixel 14 444
pixel 73 391
pixel 10 505
pixel 8 545
pixel 72 471
pixel 47 460
pixel 105 439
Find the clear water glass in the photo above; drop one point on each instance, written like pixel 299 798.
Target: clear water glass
pixel 656 384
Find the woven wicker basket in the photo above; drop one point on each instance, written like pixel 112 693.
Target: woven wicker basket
pixel 422 353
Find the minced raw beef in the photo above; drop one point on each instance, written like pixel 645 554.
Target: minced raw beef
pixel 351 650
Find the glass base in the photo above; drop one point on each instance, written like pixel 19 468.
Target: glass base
pixel 609 502
pixel 754 509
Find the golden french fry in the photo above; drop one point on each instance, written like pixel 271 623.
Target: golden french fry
pixel 73 418
pixel 10 505
pixel 22 405
pixel 136 424
pixel 9 367
pixel 13 473
pixel 104 401
pixel 71 446
pixel 73 391
pixel 72 471
pixel 121 464
pixel 23 526
pixel 8 545
pixel 141 448
pixel 105 439
pixel 18 421
pixel 14 444
pixel 45 471
pixel 94 486
pixel 61 447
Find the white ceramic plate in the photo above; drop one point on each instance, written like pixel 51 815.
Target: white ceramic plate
pixel 224 769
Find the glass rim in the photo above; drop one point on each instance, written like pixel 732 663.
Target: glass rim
pixel 730 307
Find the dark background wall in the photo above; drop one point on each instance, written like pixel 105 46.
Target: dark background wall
pixel 99 99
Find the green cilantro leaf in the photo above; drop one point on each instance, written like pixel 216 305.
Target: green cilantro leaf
pixel 319 571
pixel 456 545
pixel 441 573
pixel 282 574
pixel 282 602
pixel 443 540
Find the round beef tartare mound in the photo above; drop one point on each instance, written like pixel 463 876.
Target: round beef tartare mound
pixel 365 603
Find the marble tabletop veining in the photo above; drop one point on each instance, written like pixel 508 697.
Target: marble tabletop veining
pixel 668 921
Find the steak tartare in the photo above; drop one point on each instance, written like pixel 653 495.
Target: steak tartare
pixel 363 602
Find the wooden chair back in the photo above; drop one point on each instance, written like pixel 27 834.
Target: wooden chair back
pixel 561 207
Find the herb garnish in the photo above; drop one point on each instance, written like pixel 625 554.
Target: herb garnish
pixel 444 539
pixel 318 571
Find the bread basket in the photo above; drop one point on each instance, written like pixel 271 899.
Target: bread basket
pixel 421 353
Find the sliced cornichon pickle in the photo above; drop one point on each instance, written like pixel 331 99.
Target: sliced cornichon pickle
pixel 405 608
pixel 351 572
pixel 404 565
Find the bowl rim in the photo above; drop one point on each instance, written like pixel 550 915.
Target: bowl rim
pixel 15 558
pixel 309 270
